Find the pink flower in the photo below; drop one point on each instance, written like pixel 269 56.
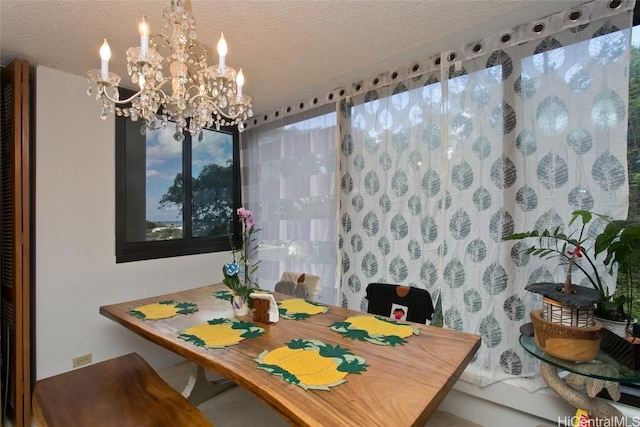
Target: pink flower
pixel 246 216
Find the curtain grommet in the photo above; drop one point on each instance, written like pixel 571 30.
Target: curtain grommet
pixel 538 28
pixel 615 4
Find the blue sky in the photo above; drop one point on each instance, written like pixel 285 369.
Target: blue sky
pixel 164 162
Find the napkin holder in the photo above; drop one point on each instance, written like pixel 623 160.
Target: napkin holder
pixel 265 308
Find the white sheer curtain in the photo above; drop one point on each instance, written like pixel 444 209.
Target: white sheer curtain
pixel 289 173
pixel 505 136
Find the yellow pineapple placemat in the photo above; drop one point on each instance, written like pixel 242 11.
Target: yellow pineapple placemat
pixel 219 333
pixel 299 308
pixel 163 310
pixel 375 329
pixel 311 364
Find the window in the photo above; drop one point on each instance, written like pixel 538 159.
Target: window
pixel 633 142
pixel 158 213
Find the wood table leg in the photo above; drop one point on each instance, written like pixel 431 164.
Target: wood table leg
pixel 199 389
pixel 595 407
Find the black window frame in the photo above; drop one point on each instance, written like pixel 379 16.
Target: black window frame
pixel 188 245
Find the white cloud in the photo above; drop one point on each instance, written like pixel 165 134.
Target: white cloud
pixel 162 144
pixel 152 173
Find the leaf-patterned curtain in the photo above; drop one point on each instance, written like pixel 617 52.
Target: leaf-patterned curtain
pixel 510 133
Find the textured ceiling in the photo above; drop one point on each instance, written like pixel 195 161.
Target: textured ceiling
pixel 289 50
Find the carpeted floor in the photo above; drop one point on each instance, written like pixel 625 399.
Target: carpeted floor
pixel 239 408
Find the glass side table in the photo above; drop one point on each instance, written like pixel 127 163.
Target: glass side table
pixel 602 372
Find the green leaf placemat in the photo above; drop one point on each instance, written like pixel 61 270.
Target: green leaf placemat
pixel 298 308
pixel 163 310
pixel 228 295
pixel 375 329
pixel 311 364
pixel 225 295
pixel 220 333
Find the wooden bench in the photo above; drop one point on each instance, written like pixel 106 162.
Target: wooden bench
pixel 124 391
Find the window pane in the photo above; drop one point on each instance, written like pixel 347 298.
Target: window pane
pixel 152 164
pixel 212 184
pixel 163 184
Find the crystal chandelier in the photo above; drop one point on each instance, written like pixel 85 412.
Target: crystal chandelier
pixel 175 81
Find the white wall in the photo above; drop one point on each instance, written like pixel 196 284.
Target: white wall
pixel 75 268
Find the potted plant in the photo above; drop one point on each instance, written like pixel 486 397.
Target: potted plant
pixel 238 275
pixel 573 251
pixel 566 327
pixel 621 241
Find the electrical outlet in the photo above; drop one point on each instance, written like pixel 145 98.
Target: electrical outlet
pixel 81 360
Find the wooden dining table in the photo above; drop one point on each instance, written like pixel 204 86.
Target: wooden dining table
pixel 402 385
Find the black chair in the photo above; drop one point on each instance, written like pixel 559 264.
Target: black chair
pixel 400 302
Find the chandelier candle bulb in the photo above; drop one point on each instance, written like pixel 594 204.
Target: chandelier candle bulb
pixel 240 83
pixel 105 55
pixel 222 52
pixel 144 37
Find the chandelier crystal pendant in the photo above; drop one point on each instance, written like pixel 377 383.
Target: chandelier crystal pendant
pixel 175 80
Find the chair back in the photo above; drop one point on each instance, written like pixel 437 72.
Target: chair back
pixel 300 285
pixel 399 302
